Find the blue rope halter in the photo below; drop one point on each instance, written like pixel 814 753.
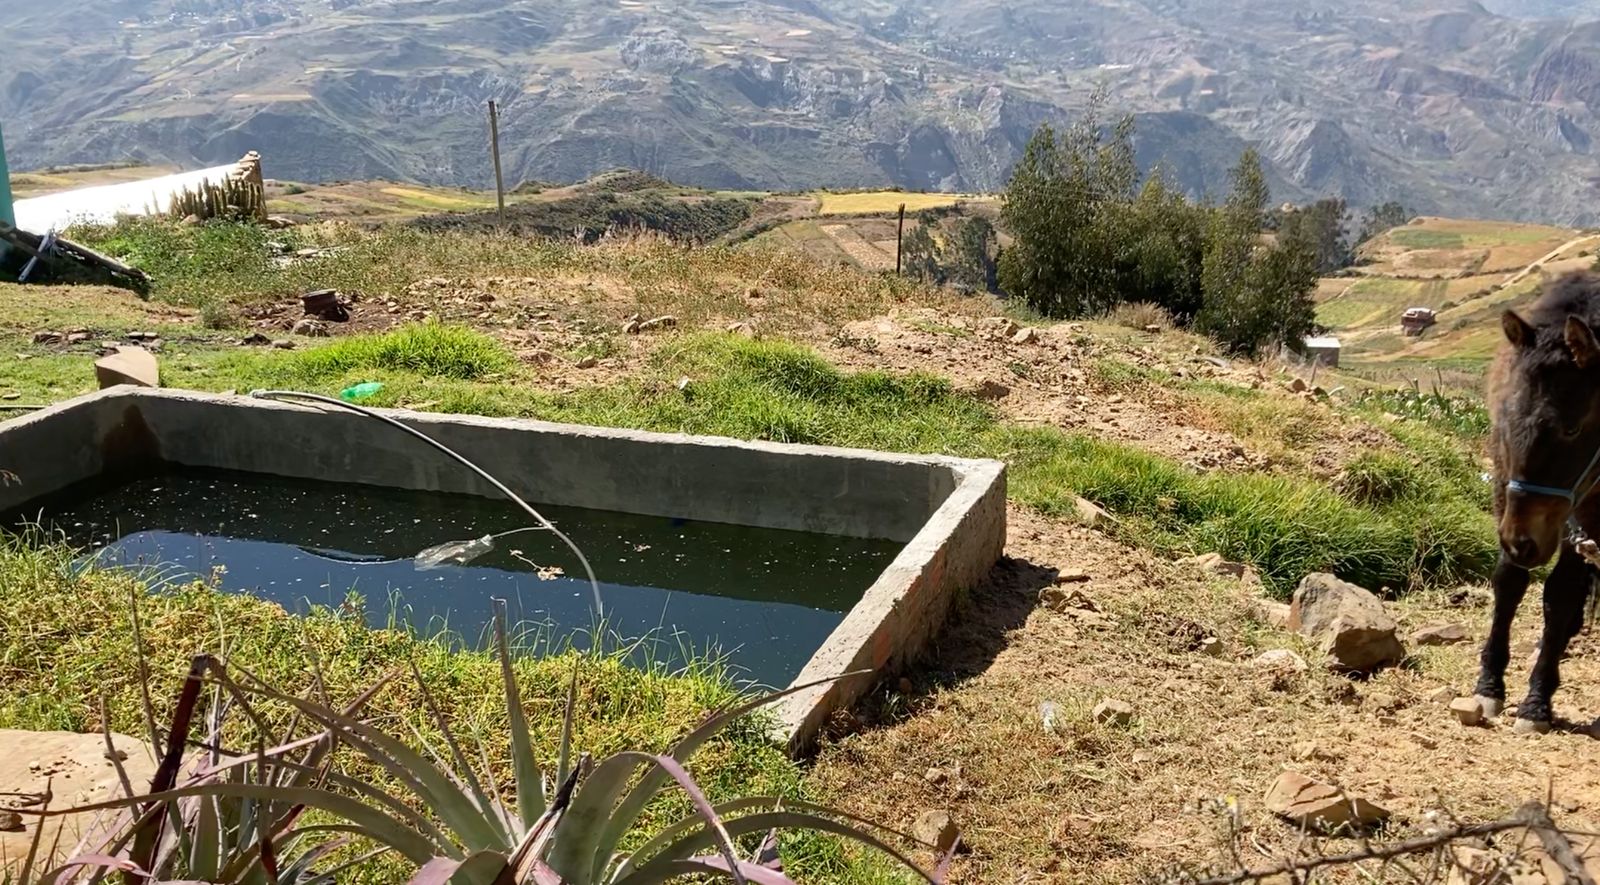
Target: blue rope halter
pixel 1571 495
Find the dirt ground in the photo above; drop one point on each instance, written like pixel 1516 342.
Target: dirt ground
pixel 1089 802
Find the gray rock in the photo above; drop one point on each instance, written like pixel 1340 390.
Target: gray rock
pixel 128 365
pixel 937 829
pixel 1316 805
pixel 1348 624
pixel 1280 659
pixel 1467 711
pixel 1441 634
pixel 1113 712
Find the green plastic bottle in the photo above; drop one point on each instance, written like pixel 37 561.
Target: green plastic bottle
pixel 365 390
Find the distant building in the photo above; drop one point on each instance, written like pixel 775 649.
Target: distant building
pixel 1417 320
pixel 1323 351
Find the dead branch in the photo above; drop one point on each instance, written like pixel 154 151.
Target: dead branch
pixel 1533 817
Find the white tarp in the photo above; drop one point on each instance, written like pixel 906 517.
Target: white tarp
pixel 102 204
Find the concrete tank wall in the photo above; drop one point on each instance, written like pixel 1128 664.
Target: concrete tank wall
pixel 949 512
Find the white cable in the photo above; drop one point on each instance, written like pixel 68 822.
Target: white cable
pixel 594 583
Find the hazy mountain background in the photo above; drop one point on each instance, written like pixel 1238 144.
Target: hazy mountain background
pixel 1443 105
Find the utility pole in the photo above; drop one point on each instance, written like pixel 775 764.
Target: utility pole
pixel 494 148
pixel 899 239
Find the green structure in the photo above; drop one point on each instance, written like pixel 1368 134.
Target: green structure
pixel 6 214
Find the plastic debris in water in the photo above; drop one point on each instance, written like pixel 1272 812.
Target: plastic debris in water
pixel 362 391
pixel 453 553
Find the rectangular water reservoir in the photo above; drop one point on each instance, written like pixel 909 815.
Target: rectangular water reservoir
pixel 764 599
pixel 798 563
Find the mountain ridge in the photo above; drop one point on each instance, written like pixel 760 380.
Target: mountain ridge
pixel 1440 104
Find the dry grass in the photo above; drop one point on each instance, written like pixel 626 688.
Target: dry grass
pixel 1141 316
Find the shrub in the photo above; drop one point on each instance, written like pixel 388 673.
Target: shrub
pixel 217 314
pixel 1140 315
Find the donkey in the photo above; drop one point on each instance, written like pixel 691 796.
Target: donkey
pixel 1544 393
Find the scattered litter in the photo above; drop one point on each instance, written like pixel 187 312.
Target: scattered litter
pixel 364 390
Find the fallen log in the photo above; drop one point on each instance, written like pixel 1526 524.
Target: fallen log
pixel 33 245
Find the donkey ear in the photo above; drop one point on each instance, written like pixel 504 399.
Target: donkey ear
pixel 1581 341
pixel 1517 330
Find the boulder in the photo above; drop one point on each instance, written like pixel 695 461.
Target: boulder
pixel 1315 805
pixel 75 768
pixel 128 365
pixel 1025 336
pixel 1347 622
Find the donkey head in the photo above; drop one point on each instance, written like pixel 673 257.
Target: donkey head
pixel 1547 426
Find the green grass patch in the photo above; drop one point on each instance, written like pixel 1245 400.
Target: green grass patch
pixel 1110 373
pixel 1423 238
pixel 1386 286
pixel 1285 526
pixel 1463 417
pixel 429 349
pixel 1344 312
pixel 195 264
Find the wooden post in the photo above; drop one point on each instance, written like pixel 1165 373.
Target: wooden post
pixel 494 148
pixel 899 239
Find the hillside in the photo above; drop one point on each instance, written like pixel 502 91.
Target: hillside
pixel 1187 452
pixel 1467 271
pixel 1438 103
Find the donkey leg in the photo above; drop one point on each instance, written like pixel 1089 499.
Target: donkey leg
pixel 1510 583
pixel 1565 592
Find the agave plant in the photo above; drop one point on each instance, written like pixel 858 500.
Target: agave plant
pixel 210 817
pixel 236 820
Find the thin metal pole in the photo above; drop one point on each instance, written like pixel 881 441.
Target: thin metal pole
pixel 494 148
pixel 7 215
pixel 899 239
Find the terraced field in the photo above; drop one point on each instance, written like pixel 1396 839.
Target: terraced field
pixel 1468 271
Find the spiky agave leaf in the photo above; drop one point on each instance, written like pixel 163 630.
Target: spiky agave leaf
pixel 688 846
pixel 531 800
pixel 601 820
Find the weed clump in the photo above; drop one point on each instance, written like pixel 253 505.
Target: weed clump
pixel 1403 533
pixel 429 349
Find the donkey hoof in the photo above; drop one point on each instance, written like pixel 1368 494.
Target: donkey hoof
pixel 1491 706
pixel 1532 726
